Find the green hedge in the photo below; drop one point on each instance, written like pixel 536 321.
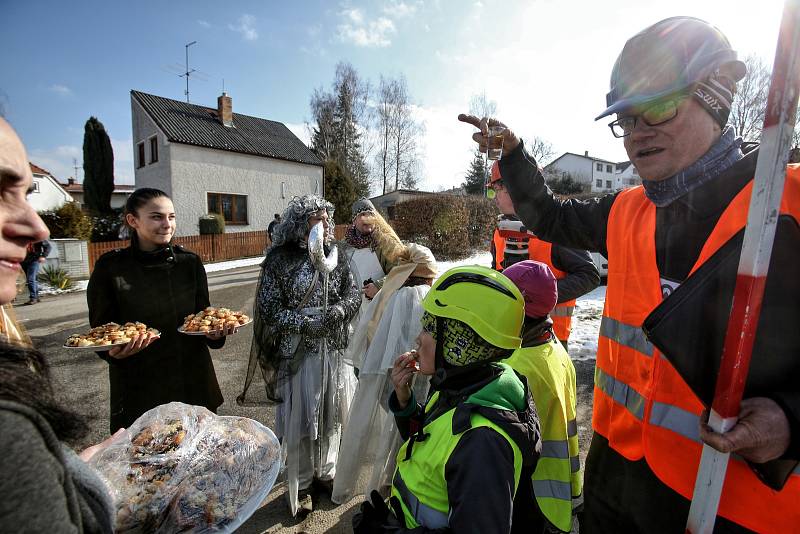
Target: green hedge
pixel 213 223
pixel 453 227
pixel 68 221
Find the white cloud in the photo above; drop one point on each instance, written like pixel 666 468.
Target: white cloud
pixel 60 89
pixel 301 130
pixel 362 33
pixel 246 27
pixel 204 23
pixel 400 9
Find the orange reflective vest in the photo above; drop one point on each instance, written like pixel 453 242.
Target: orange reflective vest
pixel 539 250
pixel 641 404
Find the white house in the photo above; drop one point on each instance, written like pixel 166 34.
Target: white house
pixel 597 175
pixel 211 160
pixel 46 193
pixel 119 195
pixel 627 175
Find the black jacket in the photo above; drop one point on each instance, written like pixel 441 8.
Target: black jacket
pixel 159 289
pixel 682 229
pixel 41 249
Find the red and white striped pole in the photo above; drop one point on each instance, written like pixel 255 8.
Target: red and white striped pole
pixel 751 277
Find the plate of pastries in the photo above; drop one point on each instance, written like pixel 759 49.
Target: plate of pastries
pixel 212 319
pixel 108 336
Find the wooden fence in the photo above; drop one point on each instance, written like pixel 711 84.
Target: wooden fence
pixel 210 248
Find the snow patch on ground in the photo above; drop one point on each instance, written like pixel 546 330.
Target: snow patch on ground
pixel 483 258
pixel 233 264
pixel 586 325
pixel 47 289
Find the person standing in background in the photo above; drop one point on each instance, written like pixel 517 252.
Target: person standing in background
pixel 34 258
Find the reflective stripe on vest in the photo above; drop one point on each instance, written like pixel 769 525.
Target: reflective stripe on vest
pixel 627 335
pixel 669 437
pixel 621 392
pixel 551 378
pixel 562 311
pixel 424 514
pixel 424 494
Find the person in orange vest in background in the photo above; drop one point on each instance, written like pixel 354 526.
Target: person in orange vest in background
pixel 574 269
pixel 672 88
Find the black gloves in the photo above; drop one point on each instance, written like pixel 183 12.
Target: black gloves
pixel 375 516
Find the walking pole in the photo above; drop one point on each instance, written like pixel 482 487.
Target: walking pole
pixel 751 276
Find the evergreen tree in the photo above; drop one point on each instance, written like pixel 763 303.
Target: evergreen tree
pixel 475 180
pixel 339 190
pixel 98 167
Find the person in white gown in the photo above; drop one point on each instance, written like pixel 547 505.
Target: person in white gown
pixel 388 326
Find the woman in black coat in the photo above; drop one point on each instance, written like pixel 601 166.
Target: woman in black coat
pixel 159 284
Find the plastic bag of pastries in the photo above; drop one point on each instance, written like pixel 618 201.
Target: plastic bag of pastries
pixel 180 468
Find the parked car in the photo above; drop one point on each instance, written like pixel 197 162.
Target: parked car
pixel 601 263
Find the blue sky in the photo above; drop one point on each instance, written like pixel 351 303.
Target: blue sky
pixel 545 62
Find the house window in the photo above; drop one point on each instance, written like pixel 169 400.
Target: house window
pixel 283 189
pixel 599 183
pixel 35 186
pixel 599 167
pixel 232 207
pixel 140 155
pixel 635 172
pixel 631 181
pixel 153 149
pixel 608 184
pixel 608 168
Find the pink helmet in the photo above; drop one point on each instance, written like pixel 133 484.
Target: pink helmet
pixel 537 283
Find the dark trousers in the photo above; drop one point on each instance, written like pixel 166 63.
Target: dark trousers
pixel 31 272
pixel 625 496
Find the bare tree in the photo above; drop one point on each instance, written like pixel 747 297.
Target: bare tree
pixel 481 106
pixel 750 102
pixel 540 149
pixel 398 132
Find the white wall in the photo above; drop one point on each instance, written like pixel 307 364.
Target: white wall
pixel 47 194
pixel 152 174
pixel 197 171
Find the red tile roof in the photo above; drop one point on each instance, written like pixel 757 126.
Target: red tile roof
pixel 38 170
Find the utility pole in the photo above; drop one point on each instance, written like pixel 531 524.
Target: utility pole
pixel 188 72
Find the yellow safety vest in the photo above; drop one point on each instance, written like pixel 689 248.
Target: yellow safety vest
pixel 551 379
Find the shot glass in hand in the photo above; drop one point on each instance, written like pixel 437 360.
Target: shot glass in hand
pixel 494 142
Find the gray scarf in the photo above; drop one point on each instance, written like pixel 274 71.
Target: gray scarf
pixel 724 153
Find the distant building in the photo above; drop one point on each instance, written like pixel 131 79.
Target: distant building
pixel 595 174
pixel 118 197
pixel 212 160
pixel 46 193
pixel 627 175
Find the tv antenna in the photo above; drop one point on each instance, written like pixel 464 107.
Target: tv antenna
pixel 187 72
pixel 75 166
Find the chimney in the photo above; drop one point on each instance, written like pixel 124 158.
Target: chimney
pixel 225 109
pixel 586 153
pixel 70 181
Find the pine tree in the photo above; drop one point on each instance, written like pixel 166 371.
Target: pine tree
pixel 98 167
pixel 475 180
pixel 339 190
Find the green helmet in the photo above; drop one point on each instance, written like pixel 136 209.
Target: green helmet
pixel 483 299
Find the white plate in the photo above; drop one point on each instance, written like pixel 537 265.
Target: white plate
pixel 180 329
pixel 103 348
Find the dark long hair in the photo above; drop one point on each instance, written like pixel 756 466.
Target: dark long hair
pixel 139 198
pixel 25 378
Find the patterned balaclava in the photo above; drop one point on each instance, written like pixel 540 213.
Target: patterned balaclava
pixel 462 346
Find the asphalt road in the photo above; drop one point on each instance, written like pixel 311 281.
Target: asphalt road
pixel 81 379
